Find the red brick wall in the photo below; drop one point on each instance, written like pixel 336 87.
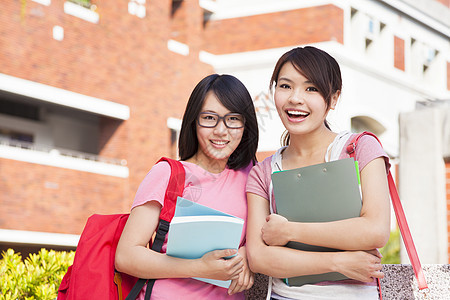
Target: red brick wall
pixel 179 20
pixel 41 198
pixel 399 53
pixel 281 29
pixel 123 59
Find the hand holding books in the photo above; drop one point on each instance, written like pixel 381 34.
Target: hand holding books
pixel 196 230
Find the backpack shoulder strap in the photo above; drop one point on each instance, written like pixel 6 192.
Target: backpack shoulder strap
pixel 400 214
pixel 351 147
pixel 174 189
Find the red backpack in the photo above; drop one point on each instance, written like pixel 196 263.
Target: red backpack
pixel 92 275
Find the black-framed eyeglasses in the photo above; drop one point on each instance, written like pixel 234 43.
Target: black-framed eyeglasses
pixel 210 120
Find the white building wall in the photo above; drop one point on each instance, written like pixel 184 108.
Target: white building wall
pixel 422 181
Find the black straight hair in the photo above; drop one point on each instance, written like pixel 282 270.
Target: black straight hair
pixel 235 97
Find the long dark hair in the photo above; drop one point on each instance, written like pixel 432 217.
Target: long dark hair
pixel 318 67
pixel 236 98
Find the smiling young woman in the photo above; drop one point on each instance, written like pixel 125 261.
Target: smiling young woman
pixel 217 147
pixel 307 84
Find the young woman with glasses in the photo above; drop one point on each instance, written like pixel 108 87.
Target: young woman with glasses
pixel 217 146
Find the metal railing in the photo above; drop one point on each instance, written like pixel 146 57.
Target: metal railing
pixel 61 151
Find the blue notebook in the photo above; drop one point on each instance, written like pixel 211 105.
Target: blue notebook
pixel 197 229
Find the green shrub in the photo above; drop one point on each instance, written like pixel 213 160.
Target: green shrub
pixel 391 252
pixel 38 277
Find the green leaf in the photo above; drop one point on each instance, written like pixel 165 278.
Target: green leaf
pixel 38 277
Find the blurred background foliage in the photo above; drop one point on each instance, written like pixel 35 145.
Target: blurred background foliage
pixel 36 277
pixel 391 252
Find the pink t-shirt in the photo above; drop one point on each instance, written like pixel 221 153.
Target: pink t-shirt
pixel 224 191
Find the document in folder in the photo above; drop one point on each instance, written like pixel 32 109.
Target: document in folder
pixel 320 193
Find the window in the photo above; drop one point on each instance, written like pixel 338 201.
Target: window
pixel 370 37
pixel 176 4
pixel 423 56
pixel 429 55
pixel 364 29
pixel 18 109
pixel 209 7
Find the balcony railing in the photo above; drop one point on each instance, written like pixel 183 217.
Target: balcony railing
pixel 61 151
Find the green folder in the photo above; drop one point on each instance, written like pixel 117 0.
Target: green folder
pixel 320 193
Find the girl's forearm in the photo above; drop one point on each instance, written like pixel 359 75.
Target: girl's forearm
pixel 369 231
pixel 144 263
pixel 350 234
pixel 283 262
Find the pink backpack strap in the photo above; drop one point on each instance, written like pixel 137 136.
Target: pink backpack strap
pixel 401 218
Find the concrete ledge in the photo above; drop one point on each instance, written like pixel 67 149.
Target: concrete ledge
pixel 259 288
pixel 399 283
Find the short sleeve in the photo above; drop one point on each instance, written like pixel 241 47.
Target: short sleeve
pixel 367 149
pixel 154 185
pixel 258 181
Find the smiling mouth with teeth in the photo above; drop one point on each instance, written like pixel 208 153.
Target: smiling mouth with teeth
pixel 297 114
pixel 220 143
